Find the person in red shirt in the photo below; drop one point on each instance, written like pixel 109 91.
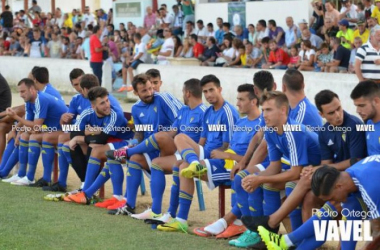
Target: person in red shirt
pixel 278 58
pixel 198 48
pixel 96 50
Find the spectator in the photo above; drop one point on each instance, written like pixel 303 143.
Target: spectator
pixel 345 34
pixel 188 12
pixel 368 8
pixel 357 44
pixel 88 18
pixel 316 20
pixel 23 16
pixel 265 51
pixel 102 16
pixel 252 34
pixel 241 33
pixel 227 31
pixel 86 46
pixel 187 51
pixel 276 33
pixel 54 46
pixel 189 29
pixel 164 19
pixel 35 8
pixel 66 50
pixel 149 19
pixel 201 32
pixel 177 46
pixel 254 54
pixel 219 34
pixel 292 33
pixel 245 58
pixel 49 19
pixel 229 53
pixel 278 58
pixel 294 61
pixel 110 17
pixel 167 48
pixel 14 47
pixel 74 16
pixel 329 30
pixel 67 21
pixel 367 63
pixel 307 55
pixel 372 22
pixel 302 24
pixel 349 12
pixel 145 37
pixel 79 30
pixel 362 31
pixel 36 21
pixel 197 47
pixel 113 48
pixel 360 10
pixel 37 44
pixel 262 29
pixel 58 18
pixel 322 57
pixel 376 11
pixel 96 49
pixel 210 30
pixel 210 54
pixel 331 12
pixel 110 29
pixel 236 44
pixel 7 19
pixel 79 53
pixel 122 26
pixel 315 40
pixel 341 57
pixel 177 21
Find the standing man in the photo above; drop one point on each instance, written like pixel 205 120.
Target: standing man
pixel 150 18
pixel 96 49
pixel 7 18
pixel 219 33
pixel 177 21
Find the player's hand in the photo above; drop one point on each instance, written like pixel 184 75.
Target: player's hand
pixel 250 183
pixel 377 62
pixel 67 117
pixel 11 113
pixel 306 171
pixel 240 166
pixel 217 154
pixel 17 139
pixel 72 144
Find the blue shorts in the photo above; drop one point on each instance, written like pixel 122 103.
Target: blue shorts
pixel 216 173
pixel 203 153
pixel 149 157
pixel 135 64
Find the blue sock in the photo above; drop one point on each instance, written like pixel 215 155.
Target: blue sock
pixel 93 167
pixel 7 153
pixel 33 155
pixel 102 178
pixel 157 187
pixel 23 157
pixel 233 195
pixel 48 154
pixel 242 195
pixel 236 211
pixel 11 162
pixel 148 145
pixel 117 176
pixel 174 194
pixel 256 202
pixel 296 215
pixel 352 204
pixel 184 205
pixel 133 182
pixel 66 153
pixel 189 155
pixel 306 231
pixel 63 167
pixel 272 200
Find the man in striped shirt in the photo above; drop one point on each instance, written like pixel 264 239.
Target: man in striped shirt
pixel 367 64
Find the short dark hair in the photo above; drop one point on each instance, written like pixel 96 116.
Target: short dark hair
pixel 228 25
pixel 153 73
pixel 272 22
pixel 78 26
pixel 41 74
pixel 139 79
pixel 7 7
pixel 88 81
pixel 324 97
pixel 200 21
pixel 96 29
pixel 265 40
pixel 212 39
pixel 111 25
pixel 193 85
pixel 293 80
pixel 137 36
pixel 323 180
pixel 262 22
pixel 263 80
pixel 97 92
pixel 210 25
pixel 248 87
pixel 75 73
pixel 195 37
pixel 366 89
pixel 219 18
pixel 28 82
pixel 279 98
pixel 190 22
pixel 210 78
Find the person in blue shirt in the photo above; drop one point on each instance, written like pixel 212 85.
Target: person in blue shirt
pixel 366 97
pixel 219 33
pixel 217 129
pixel 42 114
pixel 355 188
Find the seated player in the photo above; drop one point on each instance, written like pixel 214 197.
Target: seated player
pixel 219 121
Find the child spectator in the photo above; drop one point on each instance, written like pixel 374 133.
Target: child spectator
pixel 187 51
pixel 322 57
pixel 307 57
pixel 294 62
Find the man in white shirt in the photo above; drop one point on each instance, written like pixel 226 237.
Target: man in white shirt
pixel 88 18
pixel 210 30
pixel 167 48
pixel 189 29
pixel 165 19
pixel 201 32
pixel 261 27
pixel 177 21
pixel 349 12
pixel 54 46
pixel 58 18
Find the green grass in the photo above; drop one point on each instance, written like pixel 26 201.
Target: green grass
pixel 29 222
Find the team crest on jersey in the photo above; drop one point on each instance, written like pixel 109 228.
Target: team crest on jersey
pixel 344 137
pixel 191 119
pixel 155 109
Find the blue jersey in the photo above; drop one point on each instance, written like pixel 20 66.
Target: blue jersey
pixel 113 124
pixel 244 130
pixel 342 142
pixel 373 139
pixel 306 113
pixel 79 103
pixel 49 89
pixel 365 174
pixel 218 126
pixel 46 107
pixel 161 113
pixel 115 103
pixel 189 121
pixel 177 103
pixel 300 147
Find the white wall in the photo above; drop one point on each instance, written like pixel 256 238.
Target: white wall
pixel 137 21
pixel 65 5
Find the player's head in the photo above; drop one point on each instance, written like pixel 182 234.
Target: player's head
pixel 27 89
pixel 366 96
pixel 329 107
pixel 328 185
pixel 75 76
pixel 292 81
pixel 87 82
pixel 191 89
pixel 263 80
pixel 143 88
pixel 154 77
pixel 30 75
pixel 246 98
pixel 98 97
pixel 211 89
pixel 275 106
pixel 41 75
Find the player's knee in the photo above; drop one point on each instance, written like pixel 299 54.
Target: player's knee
pixel 180 138
pixel 49 138
pixel 25 136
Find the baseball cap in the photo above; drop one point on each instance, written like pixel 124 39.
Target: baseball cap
pixel 302 21
pixel 343 22
pixel 361 22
